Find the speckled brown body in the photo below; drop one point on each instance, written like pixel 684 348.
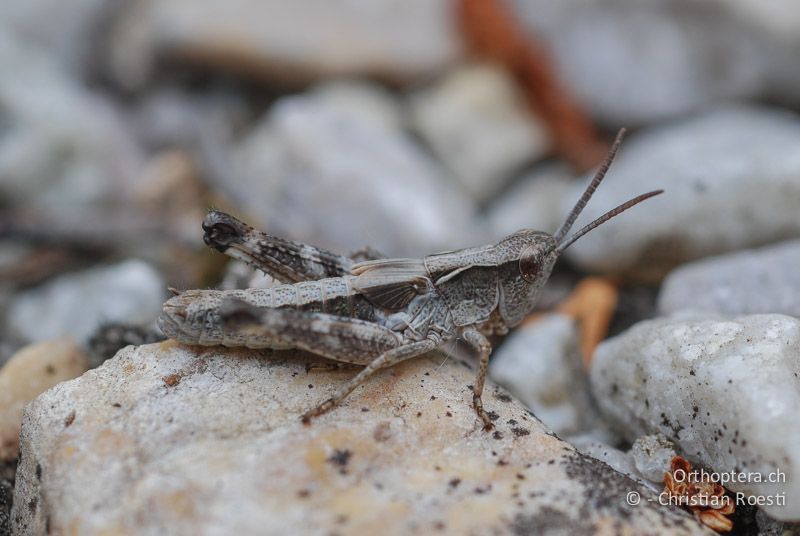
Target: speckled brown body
pixel 377 312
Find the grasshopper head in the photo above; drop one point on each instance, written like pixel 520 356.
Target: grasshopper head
pixel 528 256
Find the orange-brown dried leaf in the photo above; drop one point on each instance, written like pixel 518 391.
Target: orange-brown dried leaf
pixel 680 463
pixel 592 304
pixel 491 31
pixel 714 520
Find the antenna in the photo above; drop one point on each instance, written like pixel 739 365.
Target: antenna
pixel 598 178
pixel 605 217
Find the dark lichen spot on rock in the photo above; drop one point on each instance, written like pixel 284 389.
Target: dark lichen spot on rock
pixel 605 490
pixel 493 416
pixel 364 410
pixel 32 504
pixel 497 434
pixel 454 482
pixel 502 397
pixel 549 520
pixel 512 422
pixel 50 369
pixel 303 494
pixel 519 432
pixel 439 525
pixel 449 414
pixel 69 419
pixel 38 471
pixel 340 457
pixel 6 498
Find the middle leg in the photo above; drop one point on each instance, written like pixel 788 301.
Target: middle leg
pixel 387 359
pixel 475 338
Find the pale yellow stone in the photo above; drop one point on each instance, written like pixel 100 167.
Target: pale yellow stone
pixel 223 451
pixel 30 372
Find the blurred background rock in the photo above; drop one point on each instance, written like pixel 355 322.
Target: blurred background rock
pixel 409 126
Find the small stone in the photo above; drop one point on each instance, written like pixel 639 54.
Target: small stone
pixel 77 304
pixel 696 53
pixel 652 455
pixel 617 459
pixel 279 42
pixel 389 194
pixel 535 202
pixel 724 389
pixel 63 147
pixel 541 365
pixel 478 124
pixel 737 163
pixel 30 372
pixel 228 439
pixel 764 280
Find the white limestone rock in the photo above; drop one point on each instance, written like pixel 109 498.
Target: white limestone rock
pixel 76 304
pixel 285 42
pixel 764 280
pixel 724 390
pixel 730 181
pixel 640 61
pixel 652 455
pixel 540 364
pixel 333 169
pixel 187 440
pixel 535 202
pixel 478 124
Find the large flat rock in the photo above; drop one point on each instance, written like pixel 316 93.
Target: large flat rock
pixel 165 438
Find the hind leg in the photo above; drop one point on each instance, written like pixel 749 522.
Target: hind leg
pixel 285 260
pixel 343 339
pixel 339 338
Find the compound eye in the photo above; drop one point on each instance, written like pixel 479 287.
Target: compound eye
pixel 530 265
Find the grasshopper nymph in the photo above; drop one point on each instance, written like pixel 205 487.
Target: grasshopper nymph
pixel 378 312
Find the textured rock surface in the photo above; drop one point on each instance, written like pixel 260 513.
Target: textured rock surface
pixel 652 455
pixel 726 391
pixel 344 177
pixel 76 304
pixel 730 177
pixel 30 372
pixel 694 53
pixel 165 438
pixel 285 41
pixel 477 123
pixel 541 365
pixel 765 280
